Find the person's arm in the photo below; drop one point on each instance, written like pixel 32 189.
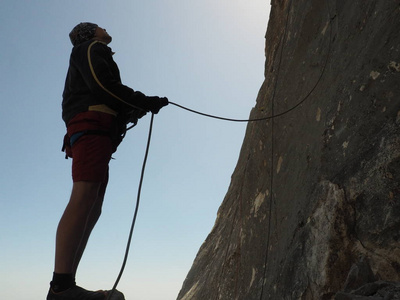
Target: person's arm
pixel 102 77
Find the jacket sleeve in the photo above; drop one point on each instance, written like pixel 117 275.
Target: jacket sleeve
pixel 101 75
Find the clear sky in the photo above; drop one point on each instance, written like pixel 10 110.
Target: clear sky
pixel 206 55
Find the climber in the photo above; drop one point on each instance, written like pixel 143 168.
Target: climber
pixel 96 108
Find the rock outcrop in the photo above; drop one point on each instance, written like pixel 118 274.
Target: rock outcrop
pixel 316 190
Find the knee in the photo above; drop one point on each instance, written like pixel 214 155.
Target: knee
pixel 85 196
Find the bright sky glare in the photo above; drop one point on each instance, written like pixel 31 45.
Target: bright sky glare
pixel 206 55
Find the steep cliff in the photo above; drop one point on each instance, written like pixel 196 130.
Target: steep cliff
pixel 318 187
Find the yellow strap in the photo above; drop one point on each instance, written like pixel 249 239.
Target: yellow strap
pixel 103 108
pixel 98 81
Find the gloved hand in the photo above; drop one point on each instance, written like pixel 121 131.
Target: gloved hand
pixel 134 115
pixel 156 103
pixel 140 113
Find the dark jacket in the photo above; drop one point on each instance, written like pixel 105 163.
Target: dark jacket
pixel 93 79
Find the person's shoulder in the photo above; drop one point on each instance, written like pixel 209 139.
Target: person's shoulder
pixel 81 48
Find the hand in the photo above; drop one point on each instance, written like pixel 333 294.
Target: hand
pixel 140 113
pixel 157 103
pixel 134 115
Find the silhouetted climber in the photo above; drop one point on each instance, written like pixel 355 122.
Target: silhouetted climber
pixel 96 108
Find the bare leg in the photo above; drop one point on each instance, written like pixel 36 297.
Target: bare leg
pixel 91 222
pixel 78 220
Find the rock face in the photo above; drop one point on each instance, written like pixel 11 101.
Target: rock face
pixel 317 188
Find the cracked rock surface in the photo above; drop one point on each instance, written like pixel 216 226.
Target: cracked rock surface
pixel 316 191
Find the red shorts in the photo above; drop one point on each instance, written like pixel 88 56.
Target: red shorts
pixel 91 153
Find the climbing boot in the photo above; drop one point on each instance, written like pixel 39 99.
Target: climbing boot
pixel 78 293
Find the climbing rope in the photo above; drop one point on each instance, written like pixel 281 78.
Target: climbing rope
pixel 136 210
pixel 272 146
pixel 272 116
pixel 271 198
